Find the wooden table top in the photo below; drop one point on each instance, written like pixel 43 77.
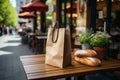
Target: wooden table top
pixel 41 37
pixel 35 68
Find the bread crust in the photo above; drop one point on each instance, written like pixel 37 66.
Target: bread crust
pixel 85 53
pixel 90 61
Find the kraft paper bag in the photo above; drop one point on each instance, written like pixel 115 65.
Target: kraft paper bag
pixel 58 47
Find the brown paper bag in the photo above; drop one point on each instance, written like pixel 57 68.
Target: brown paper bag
pixel 58 47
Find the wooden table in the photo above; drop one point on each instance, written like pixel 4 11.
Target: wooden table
pixel 36 69
pixel 40 44
pixel 31 40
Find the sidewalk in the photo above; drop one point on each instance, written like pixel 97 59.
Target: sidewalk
pixel 10 50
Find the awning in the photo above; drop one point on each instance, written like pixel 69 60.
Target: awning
pixel 35 6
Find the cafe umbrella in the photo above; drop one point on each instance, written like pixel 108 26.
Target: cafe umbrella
pixel 26 15
pixel 74 8
pixel 34 7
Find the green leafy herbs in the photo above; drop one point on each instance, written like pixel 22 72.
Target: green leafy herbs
pixel 100 39
pixel 85 36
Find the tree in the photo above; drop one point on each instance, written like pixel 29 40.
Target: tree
pixel 11 19
pixel 8 16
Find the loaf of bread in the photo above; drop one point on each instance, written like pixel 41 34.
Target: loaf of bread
pixel 85 53
pixel 90 61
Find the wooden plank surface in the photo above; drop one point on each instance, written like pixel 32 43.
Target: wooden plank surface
pixel 35 68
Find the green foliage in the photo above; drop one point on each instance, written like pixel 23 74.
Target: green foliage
pixel 49 19
pixel 8 14
pixel 100 39
pixel 1 18
pixel 85 36
pixel 49 2
pixel 12 17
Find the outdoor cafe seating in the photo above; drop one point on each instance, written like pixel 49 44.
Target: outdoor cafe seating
pixel 36 42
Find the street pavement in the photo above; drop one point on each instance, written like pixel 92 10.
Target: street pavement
pixel 11 49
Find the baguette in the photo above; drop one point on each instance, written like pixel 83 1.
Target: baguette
pixel 85 53
pixel 90 61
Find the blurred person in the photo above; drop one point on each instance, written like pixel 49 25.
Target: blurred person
pixel 1 31
pixel 10 30
pixel 5 30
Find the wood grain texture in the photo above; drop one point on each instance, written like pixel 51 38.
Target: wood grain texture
pixel 35 68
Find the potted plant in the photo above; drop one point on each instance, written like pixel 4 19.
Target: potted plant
pixel 99 41
pixel 84 38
